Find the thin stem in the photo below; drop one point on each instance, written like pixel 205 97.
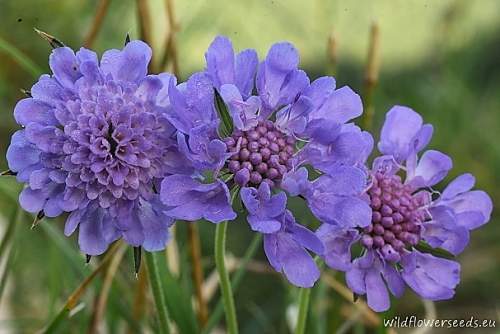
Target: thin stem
pixel 332 52
pixel 371 75
pixel 157 290
pixel 237 277
pixel 225 283
pixel 170 49
pixel 102 298
pixel 144 16
pixel 102 9
pixel 197 272
pixel 304 296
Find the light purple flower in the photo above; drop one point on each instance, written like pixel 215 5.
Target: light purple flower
pixel 95 142
pixel 404 214
pixel 289 122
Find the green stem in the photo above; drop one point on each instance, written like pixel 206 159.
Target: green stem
pixel 225 284
pixel 304 296
pixel 158 293
pixel 235 282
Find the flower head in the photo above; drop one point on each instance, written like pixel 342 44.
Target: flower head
pixel 279 122
pixel 406 214
pixel 95 143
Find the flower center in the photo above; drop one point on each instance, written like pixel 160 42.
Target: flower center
pixel 113 146
pixel 261 154
pixel 397 215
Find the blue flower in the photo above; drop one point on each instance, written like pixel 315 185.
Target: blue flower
pixel 281 122
pixel 96 143
pixel 403 214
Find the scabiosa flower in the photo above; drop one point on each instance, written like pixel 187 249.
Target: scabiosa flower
pixel 95 142
pixel 276 122
pixel 406 214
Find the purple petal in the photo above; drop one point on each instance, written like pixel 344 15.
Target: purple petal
pixel 473 208
pixel 131 229
pixel 298 266
pixel 296 182
pixel 430 277
pixel 220 61
pixel 461 184
pixel 21 154
pixel 342 180
pixel 377 295
pixel 293 119
pixel 48 90
pixel 271 250
pixel 32 200
pixel 73 221
pixel 130 64
pixel 264 224
pixel 175 189
pixel 337 242
pixel 431 169
pixel 263 209
pixel 319 90
pixel 30 110
pixel 341 106
pixel 401 126
pixel 245 69
pixel 90 236
pixel 442 231
pixel 306 238
pixel 64 65
pixel 278 80
pixel 423 137
pixel 394 280
pixel 155 226
pixel 243 113
pixel 346 212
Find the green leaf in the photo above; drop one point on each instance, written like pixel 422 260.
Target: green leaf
pixel 226 125
pixel 439 252
pixel 24 61
pixel 178 303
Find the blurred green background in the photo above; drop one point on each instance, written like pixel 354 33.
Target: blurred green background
pixel 441 58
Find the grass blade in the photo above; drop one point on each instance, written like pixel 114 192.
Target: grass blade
pixel 73 299
pixel 24 61
pixel 158 291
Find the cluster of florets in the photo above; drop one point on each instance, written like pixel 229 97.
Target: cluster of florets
pixel 261 154
pixel 397 216
pixel 113 143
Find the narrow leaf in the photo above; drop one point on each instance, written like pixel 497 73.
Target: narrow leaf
pixel 127 39
pixel 137 259
pixel 38 219
pixel 54 42
pixel 439 252
pixel 24 61
pixel 8 172
pixel 226 125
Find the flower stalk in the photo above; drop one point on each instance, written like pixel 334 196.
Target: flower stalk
pixel 304 296
pixel 157 290
pixel 197 273
pixel 225 283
